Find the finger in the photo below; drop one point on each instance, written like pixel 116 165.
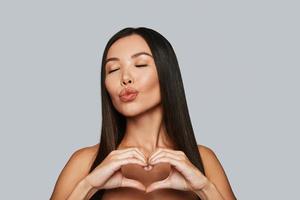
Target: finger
pixel 164 153
pixel 189 172
pixel 131 160
pixel 120 162
pixel 126 182
pixel 178 164
pixel 158 185
pixel 141 153
pixel 135 149
pixel 159 150
pixel 129 154
pixel 130 149
pixel 155 153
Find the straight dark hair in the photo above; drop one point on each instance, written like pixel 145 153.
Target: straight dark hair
pixel 175 111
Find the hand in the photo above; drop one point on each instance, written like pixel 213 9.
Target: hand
pixel 183 176
pixel 108 175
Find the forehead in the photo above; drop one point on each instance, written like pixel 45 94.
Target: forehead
pixel 127 46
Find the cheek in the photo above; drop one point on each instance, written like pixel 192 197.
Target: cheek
pixel 109 85
pixel 150 86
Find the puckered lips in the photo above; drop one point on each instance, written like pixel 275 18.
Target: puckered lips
pixel 128 94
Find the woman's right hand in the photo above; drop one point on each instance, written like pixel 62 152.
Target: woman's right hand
pixel 107 174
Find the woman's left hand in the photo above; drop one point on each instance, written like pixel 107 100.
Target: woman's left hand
pixel 183 176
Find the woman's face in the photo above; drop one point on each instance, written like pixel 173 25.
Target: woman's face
pixel 122 70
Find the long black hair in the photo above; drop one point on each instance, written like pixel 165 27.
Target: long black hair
pixel 175 111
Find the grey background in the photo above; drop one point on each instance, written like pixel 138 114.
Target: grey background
pixel 239 62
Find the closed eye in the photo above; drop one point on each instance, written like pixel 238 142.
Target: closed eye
pixel 112 70
pixel 135 65
pixel 141 65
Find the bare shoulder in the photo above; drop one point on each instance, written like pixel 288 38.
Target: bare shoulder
pixel 85 156
pixel 215 172
pixel 75 169
pixel 211 163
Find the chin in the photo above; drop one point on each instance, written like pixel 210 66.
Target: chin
pixel 134 110
pixel 129 112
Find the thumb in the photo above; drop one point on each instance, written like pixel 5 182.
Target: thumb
pixel 158 185
pixel 126 182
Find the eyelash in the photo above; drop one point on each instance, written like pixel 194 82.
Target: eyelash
pixel 135 65
pixel 141 65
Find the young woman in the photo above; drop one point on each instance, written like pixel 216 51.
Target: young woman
pixel 147 148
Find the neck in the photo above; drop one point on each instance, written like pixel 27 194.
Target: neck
pixel 146 131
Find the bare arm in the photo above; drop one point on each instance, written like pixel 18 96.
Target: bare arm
pixel 82 191
pixel 218 186
pixel 71 183
pixel 76 183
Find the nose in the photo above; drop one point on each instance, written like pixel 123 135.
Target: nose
pixel 126 82
pixel 126 76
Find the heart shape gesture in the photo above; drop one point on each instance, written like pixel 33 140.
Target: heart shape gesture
pixel 146 175
pixel 171 169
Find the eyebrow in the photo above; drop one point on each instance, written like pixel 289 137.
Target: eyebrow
pixel 133 56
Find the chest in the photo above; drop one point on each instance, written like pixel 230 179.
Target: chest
pixel 158 172
pixel 133 194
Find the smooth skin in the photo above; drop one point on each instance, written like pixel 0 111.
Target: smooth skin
pixel 131 64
